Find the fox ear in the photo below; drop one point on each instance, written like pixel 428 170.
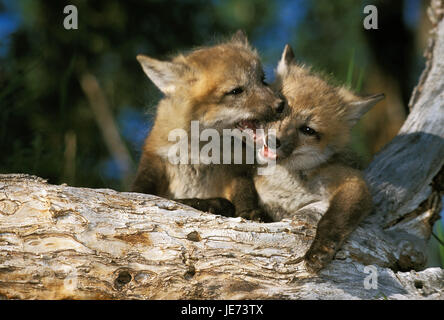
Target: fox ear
pixel 240 37
pixel 357 108
pixel 165 75
pixel 286 59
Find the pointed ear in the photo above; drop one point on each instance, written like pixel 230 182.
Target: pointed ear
pixel 359 107
pixel 240 37
pixel 165 75
pixel 286 59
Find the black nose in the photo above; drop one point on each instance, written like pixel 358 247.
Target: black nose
pixel 273 142
pixel 280 107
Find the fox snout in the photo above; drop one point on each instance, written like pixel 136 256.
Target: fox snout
pixel 262 106
pixel 274 103
pixel 272 141
pixel 272 147
pixel 280 140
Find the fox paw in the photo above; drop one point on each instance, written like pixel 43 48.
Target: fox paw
pixel 318 257
pixel 255 215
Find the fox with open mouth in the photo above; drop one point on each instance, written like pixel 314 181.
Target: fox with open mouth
pixel 312 162
pixel 220 87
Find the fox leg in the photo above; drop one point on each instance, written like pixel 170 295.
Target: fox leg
pixel 350 204
pixel 243 195
pixel 243 202
pixel 151 177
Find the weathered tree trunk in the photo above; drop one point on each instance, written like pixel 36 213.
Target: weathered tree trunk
pixel 60 242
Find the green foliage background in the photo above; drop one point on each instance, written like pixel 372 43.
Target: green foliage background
pixel 41 98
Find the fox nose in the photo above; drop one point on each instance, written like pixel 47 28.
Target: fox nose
pixel 272 141
pixel 280 107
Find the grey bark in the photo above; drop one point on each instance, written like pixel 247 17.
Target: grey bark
pixel 60 242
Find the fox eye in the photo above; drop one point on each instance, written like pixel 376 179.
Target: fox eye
pixel 307 131
pixel 236 91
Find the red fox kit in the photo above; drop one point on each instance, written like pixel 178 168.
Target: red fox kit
pixel 311 159
pixel 219 87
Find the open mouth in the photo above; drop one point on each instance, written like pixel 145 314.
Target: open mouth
pixel 252 125
pixel 269 147
pixel 259 137
pixel 247 124
pixel 268 153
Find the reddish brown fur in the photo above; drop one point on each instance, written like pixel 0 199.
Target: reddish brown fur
pixel 318 158
pixel 196 87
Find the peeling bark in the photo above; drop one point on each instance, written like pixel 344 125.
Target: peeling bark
pixel 60 242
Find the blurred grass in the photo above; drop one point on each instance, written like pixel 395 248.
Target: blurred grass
pixel 351 67
pixel 359 141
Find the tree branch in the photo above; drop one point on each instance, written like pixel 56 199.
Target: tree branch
pixel 59 242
